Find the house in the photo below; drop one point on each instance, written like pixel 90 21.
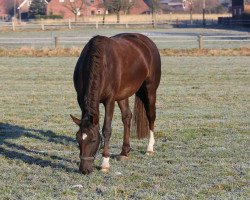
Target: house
pixel 21 8
pixel 93 7
pixel 60 7
pixel 3 10
pixel 239 7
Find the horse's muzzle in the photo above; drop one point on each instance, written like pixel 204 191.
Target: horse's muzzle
pixel 86 167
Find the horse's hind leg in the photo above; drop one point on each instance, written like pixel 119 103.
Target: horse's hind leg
pixel 126 119
pixel 151 115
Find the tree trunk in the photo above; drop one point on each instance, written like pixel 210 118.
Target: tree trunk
pixel 118 17
pixel 104 16
pixel 191 16
pixel 75 17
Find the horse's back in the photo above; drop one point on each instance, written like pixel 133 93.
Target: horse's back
pixel 144 55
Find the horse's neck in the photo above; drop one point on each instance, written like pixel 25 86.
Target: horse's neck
pixel 92 95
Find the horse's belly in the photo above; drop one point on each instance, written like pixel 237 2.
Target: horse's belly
pixel 124 94
pixel 127 89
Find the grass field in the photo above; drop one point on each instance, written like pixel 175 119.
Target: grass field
pixel 202 134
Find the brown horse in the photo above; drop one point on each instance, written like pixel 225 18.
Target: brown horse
pixel 109 70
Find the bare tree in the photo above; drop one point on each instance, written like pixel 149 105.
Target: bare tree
pixel 128 4
pixel 154 6
pixel 190 5
pixel 105 6
pixel 117 6
pixel 75 6
pixel 210 5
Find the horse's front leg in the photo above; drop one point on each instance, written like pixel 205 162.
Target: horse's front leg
pixel 106 131
pixel 126 119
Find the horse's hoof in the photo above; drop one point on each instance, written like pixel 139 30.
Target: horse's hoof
pixel 105 170
pixel 122 158
pixel 149 153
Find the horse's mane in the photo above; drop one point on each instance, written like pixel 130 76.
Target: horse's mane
pixel 94 67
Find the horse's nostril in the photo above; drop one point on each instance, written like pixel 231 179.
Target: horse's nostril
pixel 86 171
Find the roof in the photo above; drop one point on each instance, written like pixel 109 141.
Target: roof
pixel 28 2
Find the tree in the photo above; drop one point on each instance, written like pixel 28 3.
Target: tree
pixel 75 6
pixel 37 7
pixel 210 5
pixel 105 5
pixel 190 4
pixel 117 6
pixel 154 6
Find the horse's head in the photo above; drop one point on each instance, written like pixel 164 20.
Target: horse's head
pixel 88 138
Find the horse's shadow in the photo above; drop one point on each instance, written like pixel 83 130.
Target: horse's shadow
pixel 10 149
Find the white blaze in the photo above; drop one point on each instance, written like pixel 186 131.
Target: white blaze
pixel 84 136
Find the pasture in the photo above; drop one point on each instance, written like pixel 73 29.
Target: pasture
pixel 202 134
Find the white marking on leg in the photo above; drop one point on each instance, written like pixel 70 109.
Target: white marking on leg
pixel 151 142
pixel 105 163
pixel 84 136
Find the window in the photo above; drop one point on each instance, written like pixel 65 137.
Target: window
pixel 61 1
pixel 92 1
pixel 235 12
pixel 240 11
pixel 92 12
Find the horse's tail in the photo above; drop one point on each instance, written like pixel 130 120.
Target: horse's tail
pixel 140 126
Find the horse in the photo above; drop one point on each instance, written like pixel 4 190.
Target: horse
pixel 109 70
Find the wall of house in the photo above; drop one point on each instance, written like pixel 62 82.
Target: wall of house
pixel 3 10
pixel 237 8
pixel 57 7
pixel 140 7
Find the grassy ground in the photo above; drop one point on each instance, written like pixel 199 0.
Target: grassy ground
pixel 202 134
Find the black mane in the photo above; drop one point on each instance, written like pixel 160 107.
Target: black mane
pixel 94 65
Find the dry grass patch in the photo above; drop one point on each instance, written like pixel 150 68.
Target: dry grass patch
pixel 75 52
pixel 206 52
pixel 141 18
pixel 44 52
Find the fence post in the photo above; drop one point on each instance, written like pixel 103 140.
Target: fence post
pixel 69 24
pixel 13 25
pixel 56 42
pixel 201 42
pixel 96 25
pixel 126 24
pixel 42 26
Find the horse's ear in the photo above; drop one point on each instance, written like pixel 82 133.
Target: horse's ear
pixel 77 121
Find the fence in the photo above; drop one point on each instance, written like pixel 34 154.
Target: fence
pixel 42 25
pixel 162 41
